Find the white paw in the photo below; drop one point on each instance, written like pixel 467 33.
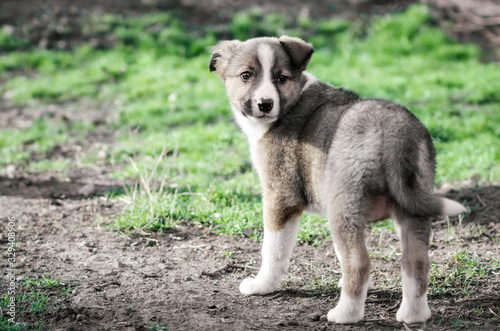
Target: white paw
pixel 415 312
pixel 345 315
pixel 341 281
pixel 255 286
pixel 348 310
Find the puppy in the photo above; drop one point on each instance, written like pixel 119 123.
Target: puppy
pixel 323 149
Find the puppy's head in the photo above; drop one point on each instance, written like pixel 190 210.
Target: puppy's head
pixel 262 75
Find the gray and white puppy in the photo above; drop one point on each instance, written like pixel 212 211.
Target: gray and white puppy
pixel 326 150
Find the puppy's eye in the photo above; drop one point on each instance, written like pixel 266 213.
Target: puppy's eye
pixel 246 76
pixel 282 79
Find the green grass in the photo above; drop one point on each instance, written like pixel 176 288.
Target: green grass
pixel 34 297
pixel 461 273
pixel 164 99
pixel 323 287
pixel 44 282
pixel 383 224
pixel 159 327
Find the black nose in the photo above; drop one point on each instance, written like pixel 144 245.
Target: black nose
pixel 265 105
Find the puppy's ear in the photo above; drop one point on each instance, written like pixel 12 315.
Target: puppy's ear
pixel 299 51
pixel 222 54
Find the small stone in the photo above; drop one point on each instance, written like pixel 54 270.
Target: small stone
pixel 122 265
pixel 80 317
pixel 87 189
pixel 281 323
pixel 314 316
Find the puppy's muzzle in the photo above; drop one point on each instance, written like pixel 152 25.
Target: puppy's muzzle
pixel 265 105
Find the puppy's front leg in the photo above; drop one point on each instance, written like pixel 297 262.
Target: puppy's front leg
pixel 280 234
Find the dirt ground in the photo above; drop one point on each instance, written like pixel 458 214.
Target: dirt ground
pixel 187 278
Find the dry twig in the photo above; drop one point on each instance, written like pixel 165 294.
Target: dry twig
pixel 224 268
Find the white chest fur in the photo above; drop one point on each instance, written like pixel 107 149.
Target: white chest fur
pixel 254 132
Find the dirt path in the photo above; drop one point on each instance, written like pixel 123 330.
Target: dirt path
pixel 187 278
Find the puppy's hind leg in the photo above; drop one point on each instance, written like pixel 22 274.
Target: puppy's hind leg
pixel 276 253
pixel 348 236
pixel 341 280
pixel 414 233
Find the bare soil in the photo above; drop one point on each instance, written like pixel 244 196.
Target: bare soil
pixel 187 278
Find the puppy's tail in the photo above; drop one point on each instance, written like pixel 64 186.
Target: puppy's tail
pixel 428 205
pixel 451 208
pixel 417 201
pixel 410 183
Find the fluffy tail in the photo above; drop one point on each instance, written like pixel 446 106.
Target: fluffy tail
pixel 430 206
pixel 451 208
pixel 410 169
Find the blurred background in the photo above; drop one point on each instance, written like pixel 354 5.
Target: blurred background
pixel 59 23
pixel 100 93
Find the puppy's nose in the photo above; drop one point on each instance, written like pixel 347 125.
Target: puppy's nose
pixel 265 105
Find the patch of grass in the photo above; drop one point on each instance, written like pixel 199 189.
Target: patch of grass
pixel 45 282
pixel 38 301
pixel 10 42
pixel 384 224
pixel 158 327
pixel 5 325
pixel 460 273
pixel 17 146
pixel 313 229
pixel 32 148
pixel 222 208
pixel 59 164
pixel 473 266
pixel 146 207
pixel 323 287
pixel 34 298
pixel 35 302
